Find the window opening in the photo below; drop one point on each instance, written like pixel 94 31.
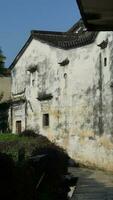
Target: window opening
pixel 46 119
pixel 33 82
pixel 105 62
pixel 65 75
pixel 33 78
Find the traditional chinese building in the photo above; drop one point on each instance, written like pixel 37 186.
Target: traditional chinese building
pixel 62 87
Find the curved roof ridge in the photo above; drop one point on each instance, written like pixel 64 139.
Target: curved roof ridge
pixel 77 36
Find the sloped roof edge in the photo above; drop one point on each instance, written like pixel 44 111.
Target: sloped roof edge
pixel 33 33
pixel 64 40
pixel 21 52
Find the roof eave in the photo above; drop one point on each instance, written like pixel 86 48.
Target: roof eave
pixel 62 44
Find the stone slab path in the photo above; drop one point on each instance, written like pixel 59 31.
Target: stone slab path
pixel 92 184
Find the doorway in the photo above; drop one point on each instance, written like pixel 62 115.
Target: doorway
pixel 18 127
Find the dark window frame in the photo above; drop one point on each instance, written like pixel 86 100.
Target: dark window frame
pixel 18 126
pixel 46 120
pixel 105 62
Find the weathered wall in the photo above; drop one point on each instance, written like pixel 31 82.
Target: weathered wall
pixel 69 85
pixel 81 106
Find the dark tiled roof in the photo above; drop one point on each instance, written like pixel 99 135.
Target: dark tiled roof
pixel 75 37
pixel 65 41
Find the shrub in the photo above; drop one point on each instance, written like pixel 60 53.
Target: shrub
pixel 53 166
pixel 28 133
pixel 25 181
pixel 22 180
pixel 7 177
pixel 57 159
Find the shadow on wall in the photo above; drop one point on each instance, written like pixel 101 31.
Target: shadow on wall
pixel 42 176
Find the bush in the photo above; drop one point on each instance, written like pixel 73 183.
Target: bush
pixel 20 179
pixel 55 164
pixel 17 181
pixel 57 159
pixel 28 133
pixel 7 177
pixel 25 181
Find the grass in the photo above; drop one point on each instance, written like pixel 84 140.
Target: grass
pixel 10 144
pixel 8 137
pixel 20 178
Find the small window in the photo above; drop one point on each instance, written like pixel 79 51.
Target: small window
pixel 105 62
pixel 33 79
pixel 65 75
pixel 33 82
pixel 46 119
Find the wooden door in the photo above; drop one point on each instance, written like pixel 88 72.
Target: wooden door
pixel 18 127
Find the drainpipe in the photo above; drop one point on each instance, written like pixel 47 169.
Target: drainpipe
pixel 11 116
pixel 100 123
pixel 25 114
pixel 66 105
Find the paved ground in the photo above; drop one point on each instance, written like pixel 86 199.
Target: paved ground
pixel 92 184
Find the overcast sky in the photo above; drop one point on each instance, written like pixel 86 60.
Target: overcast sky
pixel 19 17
